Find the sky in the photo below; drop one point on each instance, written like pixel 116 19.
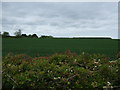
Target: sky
pixel 61 19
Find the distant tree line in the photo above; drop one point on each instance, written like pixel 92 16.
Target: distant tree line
pixel 18 34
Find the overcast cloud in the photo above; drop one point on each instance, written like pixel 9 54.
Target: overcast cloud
pixel 61 19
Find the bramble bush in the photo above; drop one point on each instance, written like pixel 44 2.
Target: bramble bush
pixel 66 70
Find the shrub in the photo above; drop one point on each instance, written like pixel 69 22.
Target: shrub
pixel 60 71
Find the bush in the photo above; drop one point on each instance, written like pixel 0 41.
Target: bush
pixel 60 71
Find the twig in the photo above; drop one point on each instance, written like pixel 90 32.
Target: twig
pixel 11 78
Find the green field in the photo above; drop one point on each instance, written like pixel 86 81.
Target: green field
pixel 45 47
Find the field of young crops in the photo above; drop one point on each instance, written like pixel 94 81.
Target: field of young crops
pixel 45 47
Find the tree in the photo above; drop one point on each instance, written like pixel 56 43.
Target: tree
pixel 30 35
pixel 5 34
pixel 43 36
pixel 34 36
pixel 24 35
pixel 18 33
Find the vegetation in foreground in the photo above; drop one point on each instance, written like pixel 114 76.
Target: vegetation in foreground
pixel 67 70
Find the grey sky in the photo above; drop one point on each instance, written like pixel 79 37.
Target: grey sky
pixel 61 19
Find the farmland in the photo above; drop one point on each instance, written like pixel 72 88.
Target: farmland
pixel 47 46
pixel 56 66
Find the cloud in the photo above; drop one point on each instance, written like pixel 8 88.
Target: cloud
pixel 61 19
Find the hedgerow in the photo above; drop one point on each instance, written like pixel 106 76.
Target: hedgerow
pixel 66 71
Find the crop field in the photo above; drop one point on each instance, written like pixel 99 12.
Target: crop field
pixel 46 47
